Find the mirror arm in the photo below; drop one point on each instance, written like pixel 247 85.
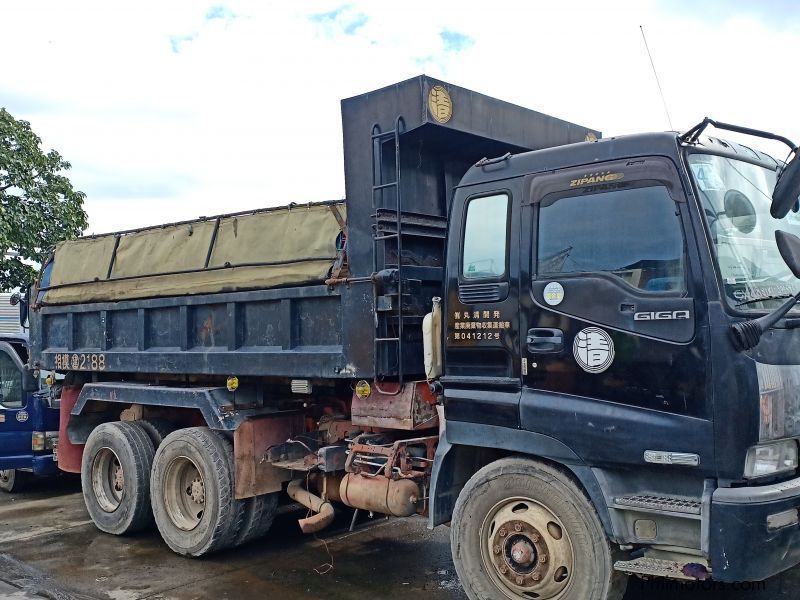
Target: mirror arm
pixel 746 334
pixel 691 136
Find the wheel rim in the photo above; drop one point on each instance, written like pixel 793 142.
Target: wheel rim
pixel 526 550
pixel 184 493
pixel 108 480
pixel 6 476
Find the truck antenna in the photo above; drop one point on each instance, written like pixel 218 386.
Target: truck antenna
pixel 655 73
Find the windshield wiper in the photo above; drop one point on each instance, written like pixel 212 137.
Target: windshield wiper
pixel 754 300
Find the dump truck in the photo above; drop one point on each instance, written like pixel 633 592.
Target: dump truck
pixel 580 353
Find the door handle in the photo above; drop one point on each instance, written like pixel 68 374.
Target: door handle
pixel 543 339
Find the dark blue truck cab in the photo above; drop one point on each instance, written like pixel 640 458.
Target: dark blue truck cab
pixel 28 418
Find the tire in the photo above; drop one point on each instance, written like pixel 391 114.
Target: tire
pixel 533 521
pixel 156 429
pixel 11 480
pixel 115 477
pixel 259 513
pixel 192 492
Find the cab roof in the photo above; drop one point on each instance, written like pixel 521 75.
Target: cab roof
pixel 606 149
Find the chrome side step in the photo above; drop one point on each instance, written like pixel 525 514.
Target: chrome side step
pixel 652 567
pixel 659 503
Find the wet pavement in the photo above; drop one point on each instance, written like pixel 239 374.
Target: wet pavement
pixel 49 549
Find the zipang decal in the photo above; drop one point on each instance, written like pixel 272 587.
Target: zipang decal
pixel 592 178
pixel 662 315
pixel 593 349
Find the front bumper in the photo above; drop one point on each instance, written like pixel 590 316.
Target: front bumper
pixel 743 546
pixel 43 464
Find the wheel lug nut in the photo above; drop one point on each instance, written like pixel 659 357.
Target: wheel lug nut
pixel 520 580
pixel 502 533
pixel 536 577
pixel 543 558
pixel 503 569
pixel 497 549
pixel 517 527
pixel 535 538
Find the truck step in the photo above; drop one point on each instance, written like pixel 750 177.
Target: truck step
pixel 652 567
pixel 660 503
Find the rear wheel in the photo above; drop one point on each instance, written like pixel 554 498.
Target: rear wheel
pixel 156 429
pixel 115 477
pixel 192 490
pixel 11 480
pixel 523 529
pixel 258 516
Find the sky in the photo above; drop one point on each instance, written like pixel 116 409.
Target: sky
pixel 173 110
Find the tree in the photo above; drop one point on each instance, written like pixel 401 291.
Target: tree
pixel 38 206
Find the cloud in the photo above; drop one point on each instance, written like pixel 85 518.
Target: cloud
pixel 343 19
pixel 355 24
pixel 220 12
pixel 177 41
pixel 198 113
pixel 777 14
pixel 455 41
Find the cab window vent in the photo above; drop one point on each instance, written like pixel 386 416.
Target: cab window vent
pixel 475 293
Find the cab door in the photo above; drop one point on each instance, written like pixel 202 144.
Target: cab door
pixel 614 334
pixel 482 382
pixel 15 418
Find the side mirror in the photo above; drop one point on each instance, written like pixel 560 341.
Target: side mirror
pixel 789 247
pixel 30 382
pixel 740 211
pixel 787 190
pixel 22 301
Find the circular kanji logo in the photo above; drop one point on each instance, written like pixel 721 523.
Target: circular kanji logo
pixel 593 349
pixel 440 104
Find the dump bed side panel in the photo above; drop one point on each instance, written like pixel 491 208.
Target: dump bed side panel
pixel 288 332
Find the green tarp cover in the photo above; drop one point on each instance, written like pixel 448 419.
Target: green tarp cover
pixel 287 246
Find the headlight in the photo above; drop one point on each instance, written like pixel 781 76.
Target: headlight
pixel 770 459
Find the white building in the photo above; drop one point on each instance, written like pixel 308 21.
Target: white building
pixel 9 316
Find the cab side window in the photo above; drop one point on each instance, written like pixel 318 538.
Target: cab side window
pixel 10 383
pixel 485 235
pixel 633 234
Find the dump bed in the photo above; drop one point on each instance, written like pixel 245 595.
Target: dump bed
pixel 291 291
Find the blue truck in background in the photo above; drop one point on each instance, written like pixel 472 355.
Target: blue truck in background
pixel 29 414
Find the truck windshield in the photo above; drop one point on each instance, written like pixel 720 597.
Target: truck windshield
pixel 735 197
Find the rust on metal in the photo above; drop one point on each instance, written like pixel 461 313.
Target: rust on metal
pixel 403 459
pixel 253 474
pixel 323 510
pixel 412 408
pixel 520 555
pixel 396 497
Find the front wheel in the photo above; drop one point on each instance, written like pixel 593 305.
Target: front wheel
pixel 10 480
pixel 522 529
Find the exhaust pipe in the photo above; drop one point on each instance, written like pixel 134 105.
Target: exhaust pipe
pixel 324 512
